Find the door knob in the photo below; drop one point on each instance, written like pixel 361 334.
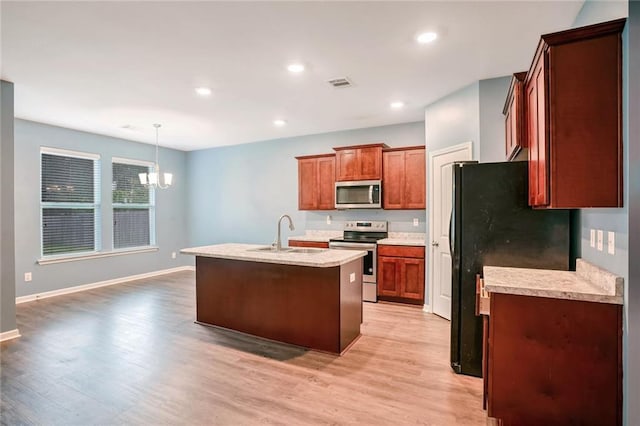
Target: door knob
pixel 435 243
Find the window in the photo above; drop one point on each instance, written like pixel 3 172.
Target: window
pixel 69 202
pixel 133 205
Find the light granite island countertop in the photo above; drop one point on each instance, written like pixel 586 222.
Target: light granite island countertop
pixel 588 283
pixel 320 258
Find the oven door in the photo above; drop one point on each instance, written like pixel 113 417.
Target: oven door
pixel 369 287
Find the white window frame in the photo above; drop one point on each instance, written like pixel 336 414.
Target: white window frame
pixel 96 205
pixel 151 206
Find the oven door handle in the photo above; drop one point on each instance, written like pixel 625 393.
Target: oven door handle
pixel 370 194
pixel 355 246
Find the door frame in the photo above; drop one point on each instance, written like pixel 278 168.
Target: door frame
pixel 465 146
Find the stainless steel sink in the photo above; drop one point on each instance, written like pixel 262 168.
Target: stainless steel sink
pixel 308 250
pixel 272 249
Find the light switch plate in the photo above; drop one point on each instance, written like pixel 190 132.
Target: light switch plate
pixel 352 277
pixel 593 238
pixel 611 239
pixel 600 238
pixel 328 219
pixel 173 255
pixel 416 221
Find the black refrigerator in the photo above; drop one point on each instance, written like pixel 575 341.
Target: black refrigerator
pixel 492 225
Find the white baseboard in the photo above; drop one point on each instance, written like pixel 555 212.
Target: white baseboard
pixel 8 335
pixel 427 308
pixel 75 289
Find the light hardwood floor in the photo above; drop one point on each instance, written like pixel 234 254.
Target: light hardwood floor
pixel 131 354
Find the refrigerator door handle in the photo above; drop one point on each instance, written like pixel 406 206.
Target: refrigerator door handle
pixel 451 234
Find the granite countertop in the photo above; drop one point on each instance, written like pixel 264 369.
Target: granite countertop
pixel 316 236
pixel 404 239
pixel 322 258
pixel 588 283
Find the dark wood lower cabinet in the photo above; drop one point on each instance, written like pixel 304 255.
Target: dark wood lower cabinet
pixel 554 361
pixel 401 274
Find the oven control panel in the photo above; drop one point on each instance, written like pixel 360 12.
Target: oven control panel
pixel 366 225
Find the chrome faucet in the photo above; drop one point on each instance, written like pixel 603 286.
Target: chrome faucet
pixel 278 242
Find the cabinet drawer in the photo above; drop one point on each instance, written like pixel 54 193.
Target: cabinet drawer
pixel 315 244
pixel 401 251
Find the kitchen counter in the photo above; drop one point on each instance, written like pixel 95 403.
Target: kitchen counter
pixel 588 283
pixel 404 239
pixel 316 236
pixel 313 300
pixel 320 259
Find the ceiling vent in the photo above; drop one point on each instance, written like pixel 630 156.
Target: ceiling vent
pixel 340 82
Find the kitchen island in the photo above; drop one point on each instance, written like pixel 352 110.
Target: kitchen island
pixel 307 297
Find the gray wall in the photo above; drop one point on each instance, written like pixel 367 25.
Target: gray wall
pixel 7 236
pixel 616 220
pixel 632 370
pixel 170 210
pixel 237 193
pixel 493 93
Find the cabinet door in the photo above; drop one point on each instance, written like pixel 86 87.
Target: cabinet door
pixel 412 278
pixel 415 179
pixel 388 276
pixel 537 132
pixel 393 180
pixel 508 131
pixel 347 164
pixel 370 163
pixel 514 118
pixel 326 183
pixel 307 184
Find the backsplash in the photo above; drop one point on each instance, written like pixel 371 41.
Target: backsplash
pixel 399 220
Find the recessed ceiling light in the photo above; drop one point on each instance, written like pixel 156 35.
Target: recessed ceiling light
pixel 397 104
pixel 295 67
pixel 203 91
pixel 279 123
pixel 426 37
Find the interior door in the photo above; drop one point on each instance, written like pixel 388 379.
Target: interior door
pixel 440 214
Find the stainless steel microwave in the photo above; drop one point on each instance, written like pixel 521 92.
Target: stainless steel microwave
pixel 361 194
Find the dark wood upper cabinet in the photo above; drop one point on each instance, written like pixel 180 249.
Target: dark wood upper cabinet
pixel 404 178
pixel 514 125
pixel 362 162
pixel 573 110
pixel 316 179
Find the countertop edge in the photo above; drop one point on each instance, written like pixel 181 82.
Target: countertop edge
pixel 555 294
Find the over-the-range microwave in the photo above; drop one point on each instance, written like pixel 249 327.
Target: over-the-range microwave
pixel 360 194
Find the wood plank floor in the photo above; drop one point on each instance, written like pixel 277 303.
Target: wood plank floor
pixel 131 354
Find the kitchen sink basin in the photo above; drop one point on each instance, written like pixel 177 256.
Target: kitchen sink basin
pixel 272 249
pixel 307 250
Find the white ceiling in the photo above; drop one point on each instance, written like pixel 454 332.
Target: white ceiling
pixel 97 66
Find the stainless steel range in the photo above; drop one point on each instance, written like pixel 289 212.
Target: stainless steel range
pixel 363 235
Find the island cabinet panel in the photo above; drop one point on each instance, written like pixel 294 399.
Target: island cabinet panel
pixel 573 104
pixel 554 361
pixel 404 178
pixel 362 162
pixel 318 308
pixel 514 123
pixel 316 182
pixel 401 272
pixel 312 244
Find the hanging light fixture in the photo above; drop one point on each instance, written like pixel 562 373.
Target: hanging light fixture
pixel 152 179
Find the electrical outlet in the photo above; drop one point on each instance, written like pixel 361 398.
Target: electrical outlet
pixel 27 277
pixel 611 249
pixel 600 237
pixel 328 219
pixel 352 277
pixel 173 255
pixel 416 221
pixel 593 238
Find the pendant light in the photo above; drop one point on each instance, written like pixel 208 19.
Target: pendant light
pixel 152 179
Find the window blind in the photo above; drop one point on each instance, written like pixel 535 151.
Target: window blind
pixel 133 205
pixel 70 201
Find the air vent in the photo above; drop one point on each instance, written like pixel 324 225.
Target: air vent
pixel 340 82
